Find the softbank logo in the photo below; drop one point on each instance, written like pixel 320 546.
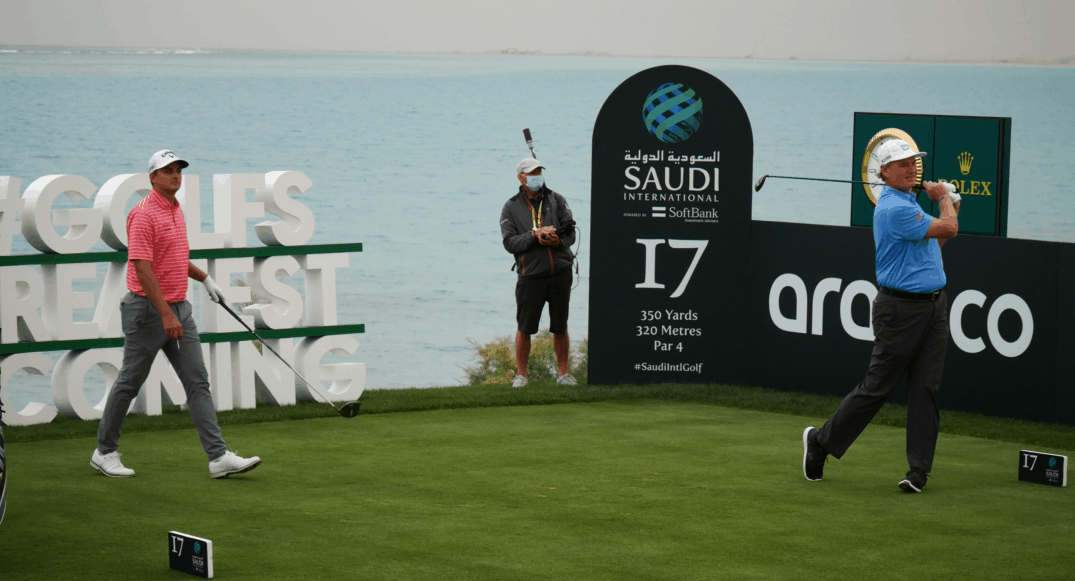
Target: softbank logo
pixel 797 322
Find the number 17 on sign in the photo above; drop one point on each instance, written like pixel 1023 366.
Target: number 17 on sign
pixel 651 245
pixel 190 554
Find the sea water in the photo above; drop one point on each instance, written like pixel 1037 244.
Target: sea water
pixel 414 156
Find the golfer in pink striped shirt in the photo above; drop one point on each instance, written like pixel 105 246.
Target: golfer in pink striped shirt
pixel 156 315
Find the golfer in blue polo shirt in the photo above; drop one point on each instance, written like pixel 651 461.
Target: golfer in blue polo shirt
pixel 910 320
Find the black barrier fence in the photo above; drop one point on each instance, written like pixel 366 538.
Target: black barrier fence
pixel 1010 317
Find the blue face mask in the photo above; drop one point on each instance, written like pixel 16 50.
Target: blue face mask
pixel 534 183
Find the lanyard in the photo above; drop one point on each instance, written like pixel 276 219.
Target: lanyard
pixel 535 220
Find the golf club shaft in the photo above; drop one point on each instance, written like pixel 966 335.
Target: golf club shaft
pixel 263 342
pixel 827 180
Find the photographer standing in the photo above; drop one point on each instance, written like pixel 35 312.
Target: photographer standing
pixel 529 224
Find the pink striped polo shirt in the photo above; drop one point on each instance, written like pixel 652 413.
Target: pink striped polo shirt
pixel 156 232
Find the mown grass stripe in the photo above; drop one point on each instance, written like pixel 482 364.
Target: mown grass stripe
pixel 546 392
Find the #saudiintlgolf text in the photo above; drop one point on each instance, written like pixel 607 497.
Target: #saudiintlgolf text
pixel 690 367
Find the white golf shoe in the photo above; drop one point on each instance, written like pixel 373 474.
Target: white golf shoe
pixel 519 381
pixel 110 464
pixel 230 463
pixel 566 379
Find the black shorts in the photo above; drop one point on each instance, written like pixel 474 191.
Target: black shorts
pixel 531 294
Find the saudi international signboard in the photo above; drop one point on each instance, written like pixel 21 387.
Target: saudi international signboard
pixel 671 200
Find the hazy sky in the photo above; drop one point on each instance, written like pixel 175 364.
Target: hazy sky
pixel 820 29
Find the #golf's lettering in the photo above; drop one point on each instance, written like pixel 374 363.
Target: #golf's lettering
pixel 40 305
pixel 107 218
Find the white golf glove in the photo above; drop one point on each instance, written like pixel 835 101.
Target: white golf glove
pixel 211 287
pixel 951 192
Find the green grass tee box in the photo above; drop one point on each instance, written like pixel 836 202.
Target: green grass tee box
pixel 642 489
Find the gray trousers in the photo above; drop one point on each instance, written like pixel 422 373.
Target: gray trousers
pixel 143 337
pixel 909 337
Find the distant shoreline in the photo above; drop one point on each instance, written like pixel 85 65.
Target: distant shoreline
pixel 1067 61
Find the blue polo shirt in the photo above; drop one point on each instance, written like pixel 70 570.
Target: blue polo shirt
pixel 906 260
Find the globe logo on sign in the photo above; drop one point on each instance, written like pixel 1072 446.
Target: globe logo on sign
pixel 197 548
pixel 673 112
pixel 1052 462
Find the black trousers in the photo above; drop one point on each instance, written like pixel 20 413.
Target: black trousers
pixel 909 337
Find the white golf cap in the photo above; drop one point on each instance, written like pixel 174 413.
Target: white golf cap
pixel 164 157
pixel 895 150
pixel 528 165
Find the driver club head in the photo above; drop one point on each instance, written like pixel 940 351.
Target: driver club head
pixel 760 182
pixel 350 410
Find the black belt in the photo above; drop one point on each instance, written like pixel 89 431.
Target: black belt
pixel 931 296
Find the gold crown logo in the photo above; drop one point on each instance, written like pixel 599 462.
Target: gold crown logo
pixel 965 159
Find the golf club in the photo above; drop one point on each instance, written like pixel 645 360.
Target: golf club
pixel 349 410
pixel 3 470
pixel 529 142
pixel 761 181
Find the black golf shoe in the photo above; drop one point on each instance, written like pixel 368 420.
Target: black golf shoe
pixel 813 455
pixel 915 481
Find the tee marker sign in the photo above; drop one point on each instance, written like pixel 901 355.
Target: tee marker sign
pixel 1043 468
pixel 190 554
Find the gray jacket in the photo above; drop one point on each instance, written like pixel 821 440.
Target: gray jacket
pixel 531 258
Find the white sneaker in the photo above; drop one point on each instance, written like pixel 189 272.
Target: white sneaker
pixel 230 463
pixel 519 381
pixel 110 464
pixel 566 379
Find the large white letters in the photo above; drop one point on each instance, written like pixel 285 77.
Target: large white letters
pixel 859 287
pixel 1003 303
pixel 321 287
pixel 40 303
pixel 61 300
pixel 111 201
pixel 798 322
pixel 34 412
pixel 10 205
pixel 284 309
pixel 190 198
pixel 70 376
pixel 22 293
pixel 297 224
pixel 651 262
pixel 37 217
pixel 965 298
pixel 230 207
pixel 348 379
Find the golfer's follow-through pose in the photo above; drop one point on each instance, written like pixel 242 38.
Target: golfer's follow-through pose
pixel 528 224
pixel 910 321
pixel 156 315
